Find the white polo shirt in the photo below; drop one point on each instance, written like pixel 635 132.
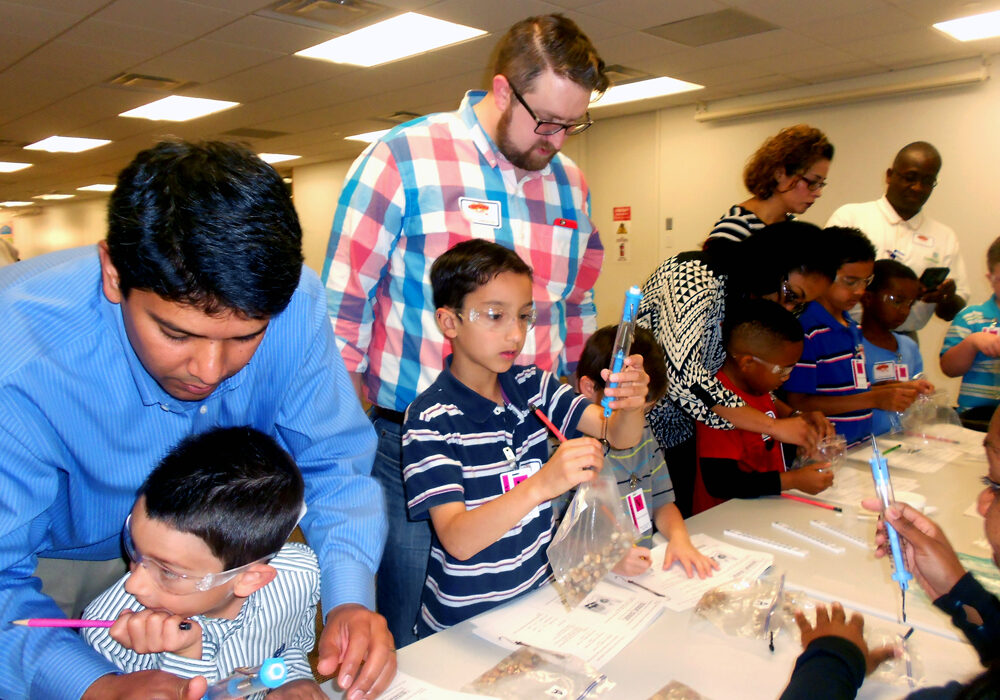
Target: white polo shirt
pixel 919 242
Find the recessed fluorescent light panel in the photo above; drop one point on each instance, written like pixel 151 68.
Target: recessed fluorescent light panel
pixel 96 188
pixel 982 26
pixel 405 35
pixel 276 157
pixel 368 136
pixel 10 167
pixel 53 196
pixel 644 90
pixel 65 144
pixel 13 203
pixel 178 109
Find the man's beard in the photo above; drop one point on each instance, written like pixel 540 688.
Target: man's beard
pixel 525 160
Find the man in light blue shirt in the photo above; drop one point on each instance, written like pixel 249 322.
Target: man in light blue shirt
pixel 195 312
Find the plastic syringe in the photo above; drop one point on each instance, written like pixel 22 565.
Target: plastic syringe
pixel 883 487
pixel 623 340
pixel 246 681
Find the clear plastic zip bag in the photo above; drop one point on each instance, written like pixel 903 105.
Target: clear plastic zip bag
pixel 529 673
pixel 594 535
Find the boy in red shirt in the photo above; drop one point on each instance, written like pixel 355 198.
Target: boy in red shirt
pixel 763 343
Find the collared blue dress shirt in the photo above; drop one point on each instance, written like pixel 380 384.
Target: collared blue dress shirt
pixel 82 424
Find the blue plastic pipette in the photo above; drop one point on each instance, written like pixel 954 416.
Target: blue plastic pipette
pixel 270 674
pixel 623 341
pixel 883 487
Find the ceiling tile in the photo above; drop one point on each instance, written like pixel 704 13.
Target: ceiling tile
pixel 174 16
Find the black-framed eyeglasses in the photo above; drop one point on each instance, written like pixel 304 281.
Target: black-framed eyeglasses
pixel 910 179
pixel 544 128
pixel 813 185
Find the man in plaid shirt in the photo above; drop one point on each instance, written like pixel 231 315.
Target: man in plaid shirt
pixel 490 170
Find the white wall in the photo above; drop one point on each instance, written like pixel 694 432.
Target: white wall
pixel 52 227
pixel 665 164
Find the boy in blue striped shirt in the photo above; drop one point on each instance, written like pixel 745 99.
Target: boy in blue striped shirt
pixel 830 376
pixel 213 584
pixel 475 443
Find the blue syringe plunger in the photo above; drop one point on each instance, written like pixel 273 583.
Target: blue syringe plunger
pixel 880 472
pixel 623 340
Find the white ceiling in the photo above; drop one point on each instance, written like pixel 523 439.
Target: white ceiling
pixel 56 57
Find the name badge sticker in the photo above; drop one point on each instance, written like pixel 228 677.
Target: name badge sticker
pixel 485 212
pixel 926 241
pixel 639 512
pixel 884 372
pixel 902 372
pixel 860 378
pixel 992 330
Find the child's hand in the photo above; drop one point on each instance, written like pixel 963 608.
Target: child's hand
pixel 152 631
pixel 301 689
pixel 633 385
pixel 574 462
pixel 986 343
pixel 893 397
pixel 811 479
pixel 797 431
pixel 680 549
pixel 635 561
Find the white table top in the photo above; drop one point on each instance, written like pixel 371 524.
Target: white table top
pixel 680 646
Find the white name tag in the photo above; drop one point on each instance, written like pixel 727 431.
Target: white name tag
pixel 508 480
pixel 921 239
pixel 639 512
pixel 860 378
pixel 884 372
pixel 485 212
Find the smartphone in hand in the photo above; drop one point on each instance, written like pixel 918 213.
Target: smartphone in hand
pixel 932 277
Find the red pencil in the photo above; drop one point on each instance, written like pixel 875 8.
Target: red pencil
pixel 828 506
pixel 548 424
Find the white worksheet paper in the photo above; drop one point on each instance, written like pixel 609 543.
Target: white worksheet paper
pixel 682 593
pixel 850 485
pixel 404 687
pixel 595 630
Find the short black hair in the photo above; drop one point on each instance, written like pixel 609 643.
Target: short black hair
pixel 234 488
pixel 848 245
pixel 993 255
pixel 759 264
pixel 756 325
pixel 467 266
pixel 597 351
pixel 888 269
pixel 207 224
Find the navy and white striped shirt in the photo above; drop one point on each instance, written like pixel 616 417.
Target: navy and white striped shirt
pixel 276 620
pixel 825 366
pixel 453 451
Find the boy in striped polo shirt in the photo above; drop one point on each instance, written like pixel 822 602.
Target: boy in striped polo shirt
pixel 971 349
pixel 830 376
pixel 213 584
pixel 475 443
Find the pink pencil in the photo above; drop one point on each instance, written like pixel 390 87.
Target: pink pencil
pixel 76 624
pixel 61 622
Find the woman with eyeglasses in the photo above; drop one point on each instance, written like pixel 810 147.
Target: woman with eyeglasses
pixel 784 177
pixel 684 304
